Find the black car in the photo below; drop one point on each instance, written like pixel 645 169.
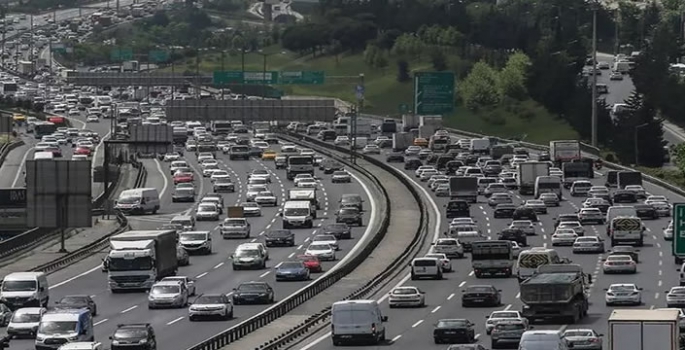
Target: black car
pixel 481 295
pixel 331 166
pixel 339 230
pixel 516 235
pixel 352 200
pixel 525 213
pixel 492 170
pixel 452 166
pixel 134 336
pixel 285 238
pixel 457 209
pixel 603 207
pixel 412 164
pixel 543 157
pixel 645 211
pixel 223 185
pixel 623 196
pixel 349 216
pixel 442 161
pixel 454 331
pixel 504 211
pixel 253 293
pixel 395 157
pixel 78 302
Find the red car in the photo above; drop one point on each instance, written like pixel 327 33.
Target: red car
pixel 83 150
pixel 183 177
pixel 311 262
pixel 56 151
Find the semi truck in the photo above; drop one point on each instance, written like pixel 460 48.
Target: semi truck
pixel 556 291
pixel 564 151
pixel 304 194
pixel 493 258
pixel 464 188
pixel 139 258
pixel 528 172
pixel 402 140
pixel 639 329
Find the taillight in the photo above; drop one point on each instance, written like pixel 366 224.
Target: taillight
pixel 594 340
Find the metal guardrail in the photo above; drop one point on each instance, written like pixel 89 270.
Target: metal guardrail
pixel 288 304
pixel 319 320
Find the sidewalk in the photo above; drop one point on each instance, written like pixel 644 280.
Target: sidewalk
pixel 75 239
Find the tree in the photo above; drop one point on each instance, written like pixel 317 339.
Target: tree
pixel 638 125
pixel 438 60
pixel 403 71
pixel 513 77
pixel 370 54
pixel 381 60
pixel 479 89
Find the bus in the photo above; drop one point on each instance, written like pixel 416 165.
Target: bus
pixel 544 184
pixel 41 129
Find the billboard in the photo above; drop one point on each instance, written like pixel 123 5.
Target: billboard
pixel 58 193
pixel 13 208
pixel 252 110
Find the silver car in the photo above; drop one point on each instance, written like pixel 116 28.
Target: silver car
pixel 539 206
pixel 266 198
pixel 251 209
pixel 550 199
pixel 623 293
pixel 442 191
pixel 211 305
pixel 589 244
pixel 675 297
pixel 583 339
pixel 167 294
pixel 207 211
pixel 524 225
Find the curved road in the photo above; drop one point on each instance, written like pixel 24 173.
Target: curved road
pixel 213 273
pixel 412 328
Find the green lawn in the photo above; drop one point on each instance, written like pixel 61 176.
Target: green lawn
pixel 384 94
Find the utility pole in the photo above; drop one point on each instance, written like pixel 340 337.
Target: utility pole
pixel 594 75
pixel 356 111
pixel 223 69
pixel 31 56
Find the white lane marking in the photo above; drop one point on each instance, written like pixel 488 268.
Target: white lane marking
pixel 264 274
pixel 219 265
pixel 202 275
pixel 166 181
pixel 75 277
pixel 471 273
pixel 508 307
pixel 129 309
pixel 656 295
pixel 436 309
pixel 397 337
pixel 417 324
pixel 462 284
pixel 450 297
pixel 174 321
pixel 477 336
pixel 518 295
pixel 291 255
pixel 299 247
pixel 101 321
pixel 278 265
pixel 21 167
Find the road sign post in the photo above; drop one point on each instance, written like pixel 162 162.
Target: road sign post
pixel 301 78
pixel 433 93
pixel 679 229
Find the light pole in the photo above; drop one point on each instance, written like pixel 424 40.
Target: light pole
pixel 264 56
pixel 594 74
pixel 637 149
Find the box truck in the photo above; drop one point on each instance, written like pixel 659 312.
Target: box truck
pixel 528 172
pixel 564 151
pixel 639 329
pixel 402 140
pixel 464 188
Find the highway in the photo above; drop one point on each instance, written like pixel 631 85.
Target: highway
pixel 412 328
pixel 213 273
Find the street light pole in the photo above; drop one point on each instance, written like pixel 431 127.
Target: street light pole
pixel 594 75
pixel 637 149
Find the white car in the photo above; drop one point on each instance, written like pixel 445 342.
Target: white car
pixel 260 174
pixel 564 237
pixel 446 262
pixel 208 162
pixel 638 190
pixel 588 244
pixel 575 225
pixel 623 293
pixel 85 144
pixel 657 199
pixel 412 151
pixel 668 232
pixel 499 316
pixel 515 249
pixel 406 296
pixel 253 191
pixel 537 205
pixel 341 176
pixel 423 168
pixel 211 305
pixel 187 281
pixel 662 208
pixel 341 140
pixel 220 174
pixel 676 297
pixel 619 264
pixel 327 239
pixel 427 174
pixel 462 221
pixel 266 198
pixel 170 157
pixel 92 118
pixel 322 251
pixel 524 225
pixel 300 177
pixel 307 183
pixel 451 247
pixel 371 149
pixel 207 211
pixel 251 209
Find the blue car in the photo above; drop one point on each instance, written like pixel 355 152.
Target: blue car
pixel 292 271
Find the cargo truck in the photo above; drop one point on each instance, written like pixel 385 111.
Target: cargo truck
pixel 493 258
pixel 364 128
pixel 304 194
pixel 576 171
pixel 434 121
pixel 401 140
pixel 556 291
pixel 464 188
pixel 640 329
pixel 627 178
pixel 426 131
pixel 139 258
pixel 410 121
pixel 528 172
pixel 564 151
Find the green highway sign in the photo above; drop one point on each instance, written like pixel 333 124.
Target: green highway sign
pixel 433 93
pixel 121 55
pixel 301 77
pixel 158 56
pixel 227 78
pixel 679 229
pixel 403 108
pixel 238 77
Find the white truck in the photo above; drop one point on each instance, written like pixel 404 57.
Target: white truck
pixel 480 146
pixel 464 188
pixel 493 258
pixel 402 140
pixel 410 121
pixel 138 259
pixel 305 194
pixel 528 172
pixel 639 329
pixel 364 128
pixel 564 151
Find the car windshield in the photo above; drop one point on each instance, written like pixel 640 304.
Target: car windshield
pixel 291 265
pixel 296 212
pixel 130 333
pixel 404 291
pixel 207 299
pixel 677 291
pixel 578 334
pixel 622 288
pixel 207 208
pixel 18 286
pixel 319 247
pixel 510 326
pixel 250 287
pixel 74 300
pixel 446 242
pixel 193 237
pixel 320 238
pixel 55 327
pixel 619 258
pixel 338 173
pixel 349 211
pixel 234 222
pixel 505 315
pixel 247 253
pixel 478 290
pixel 586 240
pixel 165 290
pixel 452 324
pixel 25 318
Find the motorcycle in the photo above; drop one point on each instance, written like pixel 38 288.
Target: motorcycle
pixel 598 166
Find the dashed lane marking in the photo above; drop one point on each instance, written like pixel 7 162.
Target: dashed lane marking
pixel 219 265
pixel 201 275
pixel 417 324
pixel 174 321
pixel 129 309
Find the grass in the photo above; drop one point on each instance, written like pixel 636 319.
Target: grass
pixel 384 94
pixel 671 175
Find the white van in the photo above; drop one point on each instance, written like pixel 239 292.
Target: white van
pixel 426 267
pixel 55 326
pixel 626 230
pixel 82 346
pixel 529 261
pixel 542 340
pixel 298 214
pixel 187 221
pixel 43 156
pixel 25 321
pixel 24 289
pixel 138 201
pixel 620 210
pixel 357 321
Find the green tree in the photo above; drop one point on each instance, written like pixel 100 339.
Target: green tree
pixel 438 60
pixel 381 60
pixel 403 71
pixel 513 77
pixel 639 120
pixel 479 89
pixel 370 54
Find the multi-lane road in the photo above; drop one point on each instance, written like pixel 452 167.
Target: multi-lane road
pixel 412 328
pixel 213 273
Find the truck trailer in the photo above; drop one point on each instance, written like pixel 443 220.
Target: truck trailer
pixel 401 140
pixel 556 291
pixel 640 329
pixel 304 194
pixel 528 172
pixel 464 188
pixel 138 259
pixel 564 151
pixel 492 258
